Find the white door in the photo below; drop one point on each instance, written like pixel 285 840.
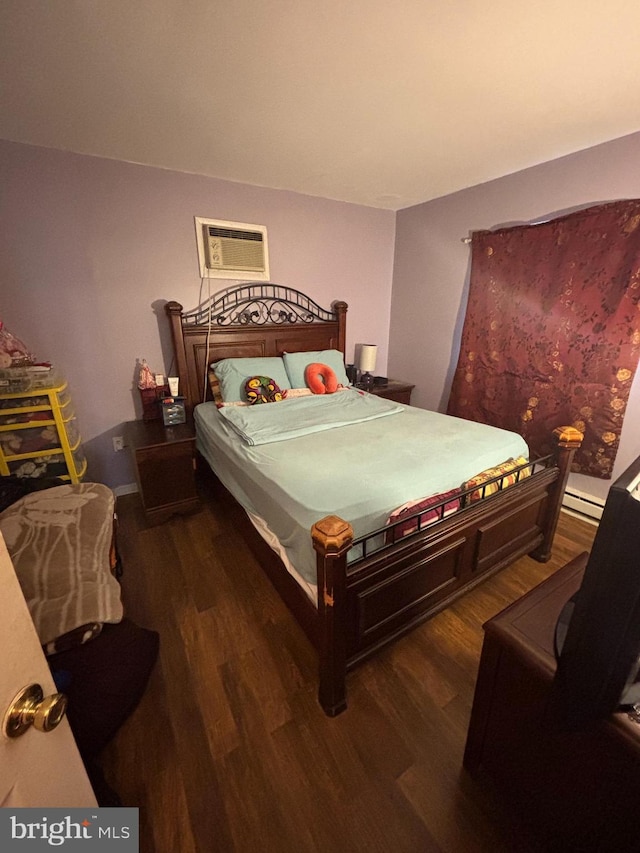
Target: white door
pixel 37 769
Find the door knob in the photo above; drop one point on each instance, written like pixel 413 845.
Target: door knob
pixel 31 708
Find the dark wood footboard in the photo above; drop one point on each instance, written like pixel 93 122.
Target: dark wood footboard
pixel 367 603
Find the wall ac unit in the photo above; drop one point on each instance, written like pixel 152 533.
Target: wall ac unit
pixel 232 250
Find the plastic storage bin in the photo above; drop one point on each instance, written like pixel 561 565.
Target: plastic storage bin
pixel 39 435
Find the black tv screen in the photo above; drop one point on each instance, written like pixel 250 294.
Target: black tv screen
pixel 598 632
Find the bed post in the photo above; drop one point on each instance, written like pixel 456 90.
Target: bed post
pixel 173 311
pixel 332 538
pixel 568 441
pixel 340 309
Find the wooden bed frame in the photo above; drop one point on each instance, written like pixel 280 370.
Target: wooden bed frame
pixel 382 595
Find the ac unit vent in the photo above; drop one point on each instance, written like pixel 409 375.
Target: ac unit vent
pixel 232 250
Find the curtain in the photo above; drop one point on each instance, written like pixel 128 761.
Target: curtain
pixel 552 330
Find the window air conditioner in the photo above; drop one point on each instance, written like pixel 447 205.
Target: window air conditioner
pixel 232 250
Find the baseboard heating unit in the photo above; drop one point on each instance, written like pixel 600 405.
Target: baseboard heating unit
pixel 583 504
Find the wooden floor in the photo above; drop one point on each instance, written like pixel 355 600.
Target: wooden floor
pixel 229 749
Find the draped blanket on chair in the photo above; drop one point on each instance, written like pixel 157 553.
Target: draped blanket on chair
pixel 552 330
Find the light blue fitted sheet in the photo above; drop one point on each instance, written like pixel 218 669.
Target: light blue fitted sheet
pixel 360 471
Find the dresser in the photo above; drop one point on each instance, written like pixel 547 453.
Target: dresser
pixel 39 435
pixel 572 790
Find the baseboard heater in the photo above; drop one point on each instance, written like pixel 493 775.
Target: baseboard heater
pixel 583 503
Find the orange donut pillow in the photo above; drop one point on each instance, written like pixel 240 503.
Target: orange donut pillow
pixel 320 378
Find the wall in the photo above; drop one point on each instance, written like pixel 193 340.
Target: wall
pixel 90 249
pixel 431 268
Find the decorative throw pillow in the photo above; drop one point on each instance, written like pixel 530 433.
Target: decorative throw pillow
pixel 262 389
pixel 431 509
pixel 232 374
pixel 510 476
pixel 320 378
pixel 216 392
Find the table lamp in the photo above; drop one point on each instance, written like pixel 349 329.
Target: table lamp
pixel 367 364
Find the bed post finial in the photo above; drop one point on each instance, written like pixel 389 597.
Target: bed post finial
pixel 332 538
pixel 568 436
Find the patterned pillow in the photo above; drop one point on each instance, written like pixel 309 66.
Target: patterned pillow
pixel 216 391
pixel 232 374
pixel 511 476
pixel 450 502
pixel 263 389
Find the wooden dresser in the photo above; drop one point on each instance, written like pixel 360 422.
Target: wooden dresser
pixel 574 791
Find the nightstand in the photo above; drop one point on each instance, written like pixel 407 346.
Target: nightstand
pixel 400 392
pixel 165 467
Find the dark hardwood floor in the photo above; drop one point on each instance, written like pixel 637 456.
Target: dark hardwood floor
pixel 229 749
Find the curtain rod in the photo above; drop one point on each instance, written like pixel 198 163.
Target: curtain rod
pixel 531 224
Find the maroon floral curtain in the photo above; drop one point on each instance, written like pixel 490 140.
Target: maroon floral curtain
pixel 552 330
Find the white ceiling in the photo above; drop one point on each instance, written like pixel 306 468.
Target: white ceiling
pixel 381 103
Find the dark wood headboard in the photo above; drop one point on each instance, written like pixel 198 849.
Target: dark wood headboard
pixel 248 321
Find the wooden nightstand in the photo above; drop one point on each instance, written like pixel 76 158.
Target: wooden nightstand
pixel 400 392
pixel 165 467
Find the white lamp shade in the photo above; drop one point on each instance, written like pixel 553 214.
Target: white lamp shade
pixel 368 354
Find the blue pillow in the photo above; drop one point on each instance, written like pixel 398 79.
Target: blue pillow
pixel 232 373
pixel 296 362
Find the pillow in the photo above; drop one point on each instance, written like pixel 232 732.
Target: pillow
pixel 296 363
pixel 429 516
pixel 320 378
pixel 262 389
pixel 214 385
pixel 508 480
pixel 232 373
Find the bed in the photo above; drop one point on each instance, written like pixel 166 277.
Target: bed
pixel 358 561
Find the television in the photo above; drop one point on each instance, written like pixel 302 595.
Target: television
pixel 597 635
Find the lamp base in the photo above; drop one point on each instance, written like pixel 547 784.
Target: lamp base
pixel 366 381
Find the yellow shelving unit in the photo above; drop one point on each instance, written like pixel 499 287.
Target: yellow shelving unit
pixel 39 436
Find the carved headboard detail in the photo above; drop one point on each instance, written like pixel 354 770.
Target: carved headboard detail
pixel 248 321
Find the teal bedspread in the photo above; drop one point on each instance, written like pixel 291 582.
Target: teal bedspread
pixel 352 455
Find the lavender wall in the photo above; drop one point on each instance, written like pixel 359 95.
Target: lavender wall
pixel 90 249
pixel 432 266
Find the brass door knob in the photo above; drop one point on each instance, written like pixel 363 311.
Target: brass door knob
pixel 31 708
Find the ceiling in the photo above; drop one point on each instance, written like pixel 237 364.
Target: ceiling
pixel 366 101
